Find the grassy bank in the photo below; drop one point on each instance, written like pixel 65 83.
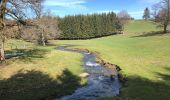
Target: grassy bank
pixel 41 73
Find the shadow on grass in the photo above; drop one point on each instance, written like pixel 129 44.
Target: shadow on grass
pixel 50 44
pixel 35 85
pixel 163 76
pixel 27 55
pixel 139 88
pixel 153 33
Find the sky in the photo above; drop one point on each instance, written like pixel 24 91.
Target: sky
pixel 73 7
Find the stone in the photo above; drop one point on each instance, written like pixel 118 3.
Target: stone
pixel 84 75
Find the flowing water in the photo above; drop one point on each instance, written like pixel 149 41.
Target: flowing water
pixel 99 85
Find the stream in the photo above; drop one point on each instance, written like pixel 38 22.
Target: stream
pixel 99 83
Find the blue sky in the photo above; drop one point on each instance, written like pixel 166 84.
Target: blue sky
pixel 72 7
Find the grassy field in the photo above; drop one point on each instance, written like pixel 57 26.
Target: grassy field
pixel 140 26
pixel 41 73
pixel 46 72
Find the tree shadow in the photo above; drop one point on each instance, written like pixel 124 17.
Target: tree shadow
pixel 26 55
pixel 67 45
pixel 50 44
pixel 140 88
pixel 163 76
pixel 35 85
pixel 153 33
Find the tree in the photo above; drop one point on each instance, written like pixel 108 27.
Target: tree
pixel 163 14
pixel 46 25
pixel 123 17
pixel 146 14
pixel 15 9
pixel 38 23
pixel 47 29
pixel 2 27
pixel 155 10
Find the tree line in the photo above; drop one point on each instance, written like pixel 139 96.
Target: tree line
pixel 89 26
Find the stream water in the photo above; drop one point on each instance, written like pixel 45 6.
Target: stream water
pixel 99 82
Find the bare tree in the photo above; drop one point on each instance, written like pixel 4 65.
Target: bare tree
pixel 47 26
pixel 48 29
pixel 41 30
pixel 16 9
pixel 28 33
pixel 123 17
pixel 155 10
pixel 2 27
pixel 163 14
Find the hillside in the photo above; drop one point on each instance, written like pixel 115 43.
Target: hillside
pixel 140 26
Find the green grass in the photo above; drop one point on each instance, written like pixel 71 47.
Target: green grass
pixel 145 60
pixel 42 73
pixel 140 26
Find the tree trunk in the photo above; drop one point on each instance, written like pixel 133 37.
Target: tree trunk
pixel 43 39
pixel 2 53
pixel 2 24
pixel 165 28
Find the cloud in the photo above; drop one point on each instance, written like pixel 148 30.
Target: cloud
pixel 65 3
pixel 66 7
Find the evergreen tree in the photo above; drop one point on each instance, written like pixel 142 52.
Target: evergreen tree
pixel 89 26
pixel 146 14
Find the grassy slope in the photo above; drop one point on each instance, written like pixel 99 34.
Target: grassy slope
pixel 140 26
pixel 42 74
pixel 145 60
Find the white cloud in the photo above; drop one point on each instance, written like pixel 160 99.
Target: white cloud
pixel 71 6
pixel 66 7
pixel 65 3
